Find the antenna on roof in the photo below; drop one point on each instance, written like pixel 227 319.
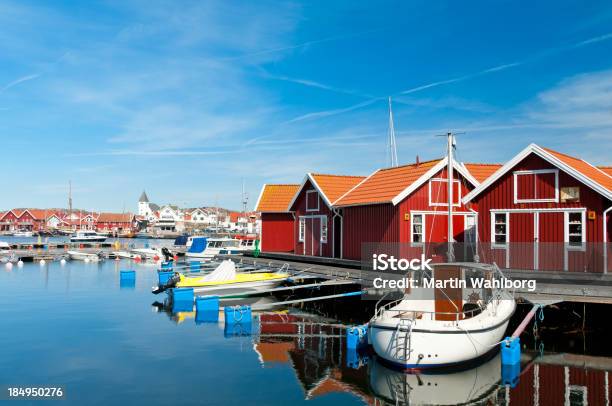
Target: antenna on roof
pixel 391 142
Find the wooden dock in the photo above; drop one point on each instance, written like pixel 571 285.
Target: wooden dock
pixel 551 286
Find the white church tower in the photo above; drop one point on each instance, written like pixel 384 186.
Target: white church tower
pixel 144 209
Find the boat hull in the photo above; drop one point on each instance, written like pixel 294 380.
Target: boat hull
pixel 83 256
pixel 95 239
pixel 434 348
pixel 238 288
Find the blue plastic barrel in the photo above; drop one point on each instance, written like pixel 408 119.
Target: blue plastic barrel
pixel 356 337
pixel 510 374
pixel 511 351
pixel 127 275
pixel 163 277
pixel 183 295
pixel 237 314
pixel 207 303
pixel 166 265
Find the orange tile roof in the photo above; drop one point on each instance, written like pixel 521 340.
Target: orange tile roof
pixel 481 172
pixel 382 186
pixel 276 198
pixel 606 169
pixel 334 186
pixel 586 169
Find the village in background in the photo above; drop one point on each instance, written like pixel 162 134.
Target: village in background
pixel 151 220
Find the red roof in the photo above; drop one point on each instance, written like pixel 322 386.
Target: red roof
pixel 276 198
pixel 385 184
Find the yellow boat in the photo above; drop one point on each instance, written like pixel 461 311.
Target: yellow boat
pixel 242 282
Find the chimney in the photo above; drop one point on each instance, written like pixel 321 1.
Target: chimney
pixel 418 161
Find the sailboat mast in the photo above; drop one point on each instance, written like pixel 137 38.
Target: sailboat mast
pixel 392 145
pixel 450 196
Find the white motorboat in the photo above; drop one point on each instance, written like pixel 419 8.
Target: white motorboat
pixel 209 247
pixel 23 233
pixel 87 236
pixel 476 386
pixel 154 253
pixel 125 254
pixel 432 328
pixel 85 256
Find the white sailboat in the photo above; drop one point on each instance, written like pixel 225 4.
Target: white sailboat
pixel 434 328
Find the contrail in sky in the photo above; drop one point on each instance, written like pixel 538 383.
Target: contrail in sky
pixel 18 81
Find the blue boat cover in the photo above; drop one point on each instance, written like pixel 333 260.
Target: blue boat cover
pixel 181 240
pixel 198 245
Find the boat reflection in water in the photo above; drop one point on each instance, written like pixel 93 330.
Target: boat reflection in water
pixel 314 347
pixel 477 385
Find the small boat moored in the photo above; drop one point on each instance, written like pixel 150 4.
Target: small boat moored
pixel 86 256
pixel 225 280
pixel 87 236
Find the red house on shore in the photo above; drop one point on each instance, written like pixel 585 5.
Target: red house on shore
pixel 408 204
pixel 318 225
pixel 116 222
pixel 545 210
pixel 277 233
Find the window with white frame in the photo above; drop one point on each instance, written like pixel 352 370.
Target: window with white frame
pixel 418 229
pixel 312 200
pixel 438 192
pixel 574 228
pixel 302 229
pixel 536 186
pixel 499 228
pixel 324 230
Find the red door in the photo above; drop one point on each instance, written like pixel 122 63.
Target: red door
pixel 316 236
pixel 312 236
pixel 550 241
pixel 521 240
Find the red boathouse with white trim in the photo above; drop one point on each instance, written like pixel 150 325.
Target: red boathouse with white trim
pixel 545 210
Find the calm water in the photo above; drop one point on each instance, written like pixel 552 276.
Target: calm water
pixel 74 325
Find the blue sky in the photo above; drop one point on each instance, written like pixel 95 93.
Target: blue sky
pixel 187 99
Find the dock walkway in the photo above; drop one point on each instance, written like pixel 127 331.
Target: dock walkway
pixel 551 286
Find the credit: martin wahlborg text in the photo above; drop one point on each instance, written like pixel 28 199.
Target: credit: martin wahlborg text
pixel 384 262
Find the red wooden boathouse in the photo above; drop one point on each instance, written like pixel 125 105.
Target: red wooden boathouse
pixel 408 204
pixel 317 227
pixel 545 210
pixel 277 228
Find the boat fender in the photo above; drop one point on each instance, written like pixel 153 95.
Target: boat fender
pixel 356 337
pixel 511 351
pixel 9 265
pixel 20 263
pixel 237 314
pixel 128 274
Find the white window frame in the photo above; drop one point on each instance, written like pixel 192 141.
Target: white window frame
pixel 412 216
pixel 566 233
pixel 324 227
pixel 445 181
pixel 495 244
pixel 516 174
pixel 308 199
pixel 580 388
pixel 301 229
